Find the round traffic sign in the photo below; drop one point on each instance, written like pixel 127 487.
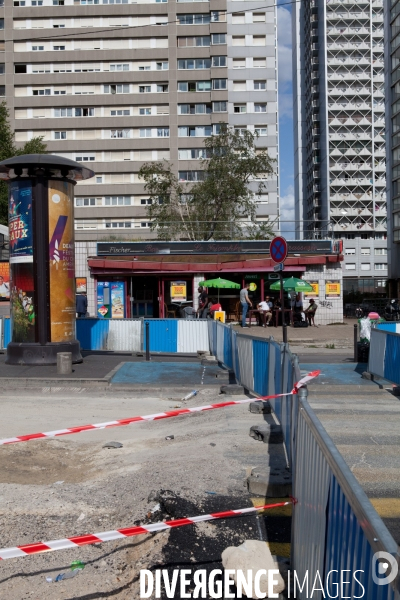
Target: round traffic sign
pixel 278 249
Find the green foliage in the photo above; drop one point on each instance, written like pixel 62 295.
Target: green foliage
pixel 222 205
pixel 8 149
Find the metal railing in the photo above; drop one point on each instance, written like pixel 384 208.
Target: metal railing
pixel 335 528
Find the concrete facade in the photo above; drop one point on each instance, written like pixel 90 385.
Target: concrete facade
pixel 392 95
pixel 117 84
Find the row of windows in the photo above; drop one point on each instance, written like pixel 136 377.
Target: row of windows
pixel 366 266
pixel 120 21
pixel 367 251
pixel 22 3
pixel 81 224
pixel 182 64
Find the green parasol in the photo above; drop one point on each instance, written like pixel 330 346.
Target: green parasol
pixel 219 284
pixel 293 285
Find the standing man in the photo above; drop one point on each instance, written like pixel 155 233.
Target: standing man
pixel 245 302
pixel 203 303
pixel 81 305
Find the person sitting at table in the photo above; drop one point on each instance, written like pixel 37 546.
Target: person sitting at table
pixel 310 312
pixel 265 311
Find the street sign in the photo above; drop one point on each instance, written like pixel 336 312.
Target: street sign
pixel 278 249
pixel 280 267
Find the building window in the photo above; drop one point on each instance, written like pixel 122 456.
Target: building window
pixel 194 86
pixel 365 266
pixel 218 38
pixel 259 40
pixel 37 48
pixel 45 92
pixel 85 158
pixel 260 108
pixel 350 236
pixel 258 17
pixel 260 85
pixel 146 201
pixel 58 47
pixel 259 63
pixel 349 250
pixel 144 111
pixel 145 89
pixel 191 63
pixel 120 113
pixel 117 200
pixel 196 19
pixel 260 130
pixel 219 61
pixel 239 63
pixel 219 107
pixel 120 133
pixel 380 251
pixel 162 66
pixel 188 42
pixel 162 131
pixel 60 135
pixel 191 175
pixel 121 88
pixel 238 40
pixel 366 251
pixel 380 266
pixel 194 109
pixel 240 108
pixel 163 87
pixel 99 179
pixel 350 266
pixel 380 236
pixel 119 67
pixel 219 84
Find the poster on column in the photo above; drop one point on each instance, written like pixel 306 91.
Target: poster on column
pixel 62 261
pixel 117 300
pixel 4 280
pixel 315 288
pixel 22 293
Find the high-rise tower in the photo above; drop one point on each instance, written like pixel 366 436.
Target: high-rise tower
pixel 339 128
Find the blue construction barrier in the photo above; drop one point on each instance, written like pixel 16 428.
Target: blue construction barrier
pixel 384 353
pixel 6 331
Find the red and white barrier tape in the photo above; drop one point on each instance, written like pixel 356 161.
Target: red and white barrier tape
pixel 118 534
pixel 155 417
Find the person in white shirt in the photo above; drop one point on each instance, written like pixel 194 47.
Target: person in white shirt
pixel 4 289
pixel 265 310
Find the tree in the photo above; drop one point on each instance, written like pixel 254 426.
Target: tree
pixel 8 149
pixel 221 204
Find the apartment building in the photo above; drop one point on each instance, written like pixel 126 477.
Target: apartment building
pixel 115 83
pixel 392 95
pixel 339 129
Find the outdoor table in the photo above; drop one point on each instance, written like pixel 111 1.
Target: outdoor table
pixel 280 310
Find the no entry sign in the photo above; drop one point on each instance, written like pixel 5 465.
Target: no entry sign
pixel 278 249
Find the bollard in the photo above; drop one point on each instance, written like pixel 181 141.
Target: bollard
pixel 147 338
pixel 64 363
pixel 284 332
pixel 356 343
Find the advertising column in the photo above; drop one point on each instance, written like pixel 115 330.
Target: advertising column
pixel 22 292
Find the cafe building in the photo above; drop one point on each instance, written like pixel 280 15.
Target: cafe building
pixel 159 279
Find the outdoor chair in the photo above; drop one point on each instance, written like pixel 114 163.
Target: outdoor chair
pixel 189 312
pixel 169 313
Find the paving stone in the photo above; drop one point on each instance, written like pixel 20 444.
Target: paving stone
pixel 269 434
pixel 232 389
pixel 260 407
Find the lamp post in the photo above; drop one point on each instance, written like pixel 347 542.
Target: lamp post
pixel 42 257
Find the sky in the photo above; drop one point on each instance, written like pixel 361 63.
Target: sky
pixel 285 103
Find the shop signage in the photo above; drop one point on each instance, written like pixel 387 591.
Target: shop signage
pixel 199 248
pixel 178 291
pixel 315 290
pixel 332 289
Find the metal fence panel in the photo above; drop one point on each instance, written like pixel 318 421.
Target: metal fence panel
pixel 192 335
pixel 311 490
pixel 235 355
pixel 92 333
pixel 125 335
pixel 163 335
pixel 228 348
pixel 392 358
pixel 7 331
pixel 220 335
pixel 260 366
pixel 377 351
pixel 347 548
pixel 245 353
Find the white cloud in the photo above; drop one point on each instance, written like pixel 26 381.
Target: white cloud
pixel 284 48
pixel 287 210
